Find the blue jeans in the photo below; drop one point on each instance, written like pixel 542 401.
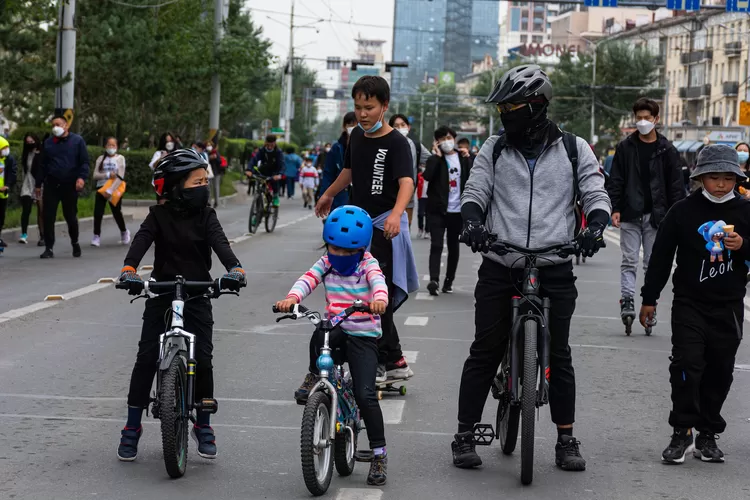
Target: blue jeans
pixel 290 181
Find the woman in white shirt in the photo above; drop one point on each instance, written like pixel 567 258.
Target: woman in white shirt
pixel 108 166
pixel 166 146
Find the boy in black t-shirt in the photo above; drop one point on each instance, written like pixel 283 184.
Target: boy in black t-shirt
pixel 708 311
pixel 379 166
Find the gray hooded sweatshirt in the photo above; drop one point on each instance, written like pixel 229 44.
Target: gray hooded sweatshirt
pixel 534 207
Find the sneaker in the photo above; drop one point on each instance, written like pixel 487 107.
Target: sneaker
pixel 40 243
pixel 48 254
pixel 447 286
pixel 76 250
pixel 300 395
pixel 3 244
pixel 380 374
pixel 96 241
pixel 567 454
pixel 426 235
pixel 432 287
pixel 465 451
pixel 128 449
pixel 397 370
pixel 23 239
pixel 275 201
pixel 125 237
pixel 378 470
pixel 706 449
pixel 420 234
pixel 680 445
pixel 204 437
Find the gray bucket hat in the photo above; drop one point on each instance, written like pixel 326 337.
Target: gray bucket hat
pixel 718 159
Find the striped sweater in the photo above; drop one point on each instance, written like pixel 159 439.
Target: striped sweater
pixel 366 284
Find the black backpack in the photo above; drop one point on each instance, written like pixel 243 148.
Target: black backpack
pixel 571 147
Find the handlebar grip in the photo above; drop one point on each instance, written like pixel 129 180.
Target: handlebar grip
pixel 121 285
pixel 276 309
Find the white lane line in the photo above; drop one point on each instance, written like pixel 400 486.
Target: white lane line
pixel 147 422
pixel 359 494
pixel 393 410
pixel 416 321
pixel 424 296
pixel 267 402
pixel 300 219
pixel 411 356
pixel 87 289
pixel 23 311
pixel 426 277
pixel 742 368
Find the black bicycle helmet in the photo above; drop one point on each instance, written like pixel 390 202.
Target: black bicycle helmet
pixel 174 167
pixel 521 84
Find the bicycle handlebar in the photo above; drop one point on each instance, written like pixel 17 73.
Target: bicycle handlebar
pixel 563 250
pixel 300 311
pixel 210 289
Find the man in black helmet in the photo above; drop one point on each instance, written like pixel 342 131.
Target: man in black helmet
pixel 523 189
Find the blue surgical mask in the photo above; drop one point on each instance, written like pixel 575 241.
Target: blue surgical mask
pixel 345 265
pixel 374 128
pixel 743 156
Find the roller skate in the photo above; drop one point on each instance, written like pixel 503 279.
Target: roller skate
pixel 650 324
pixel 627 314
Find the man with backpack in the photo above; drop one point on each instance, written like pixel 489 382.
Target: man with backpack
pixel 524 188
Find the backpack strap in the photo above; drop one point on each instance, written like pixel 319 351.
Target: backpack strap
pixel 498 148
pixel 571 147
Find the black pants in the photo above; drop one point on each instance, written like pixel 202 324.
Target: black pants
pixel 423 219
pixel 55 193
pixel 704 344
pixel 26 204
pixel 100 203
pixel 362 355
pixel 3 208
pixel 389 344
pixel 198 321
pixel 439 224
pixel 492 320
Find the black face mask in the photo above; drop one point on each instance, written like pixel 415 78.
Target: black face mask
pixel 195 198
pixel 526 128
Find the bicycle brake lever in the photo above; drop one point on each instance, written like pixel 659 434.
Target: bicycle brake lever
pixel 138 297
pixel 287 316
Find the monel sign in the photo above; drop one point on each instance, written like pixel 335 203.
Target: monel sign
pixel 539 50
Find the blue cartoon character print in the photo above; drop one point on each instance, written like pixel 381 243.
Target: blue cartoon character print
pixel 713 233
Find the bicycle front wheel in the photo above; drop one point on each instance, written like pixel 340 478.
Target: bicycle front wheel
pixel 174 418
pixel 315 446
pixel 272 216
pixel 528 400
pixel 256 213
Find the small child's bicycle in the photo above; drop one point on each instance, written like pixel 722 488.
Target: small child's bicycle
pixel 326 440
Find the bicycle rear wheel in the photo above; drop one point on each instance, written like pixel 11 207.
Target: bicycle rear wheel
pixel 256 213
pixel 316 449
pixel 174 418
pixel 507 424
pixel 528 400
pixel 272 216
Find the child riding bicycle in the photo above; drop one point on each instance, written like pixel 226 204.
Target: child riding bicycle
pixel 350 273
pixel 184 230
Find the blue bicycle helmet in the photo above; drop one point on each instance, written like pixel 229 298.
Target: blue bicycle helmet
pixel 348 227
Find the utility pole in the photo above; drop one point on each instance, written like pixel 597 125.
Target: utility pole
pixel 421 120
pixel 213 120
pixel 665 123
pixel 437 105
pixel 593 96
pixel 490 110
pixel 289 81
pixel 66 59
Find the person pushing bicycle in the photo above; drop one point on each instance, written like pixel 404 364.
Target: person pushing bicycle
pixel 349 273
pixel 523 189
pixel 184 231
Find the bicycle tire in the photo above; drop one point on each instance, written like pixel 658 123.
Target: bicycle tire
pixel 256 214
pixel 317 482
pixel 528 400
pixel 343 455
pixel 507 426
pixel 174 418
pixel 272 216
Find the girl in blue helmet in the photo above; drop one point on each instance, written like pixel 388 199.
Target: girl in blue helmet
pixel 350 273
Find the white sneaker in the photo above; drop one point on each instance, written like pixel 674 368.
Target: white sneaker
pixel 125 237
pixel 95 241
pixel 380 374
pixel 22 239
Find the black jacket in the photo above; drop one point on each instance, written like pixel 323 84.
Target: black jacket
pixel 436 173
pixel 11 172
pixel 624 185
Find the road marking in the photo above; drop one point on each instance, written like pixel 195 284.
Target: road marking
pixel 240 239
pixel 742 368
pixel 23 311
pixel 48 397
pixel 416 321
pixel 53 297
pixel 424 296
pixel 300 219
pixel 359 494
pixel 411 356
pixel 393 410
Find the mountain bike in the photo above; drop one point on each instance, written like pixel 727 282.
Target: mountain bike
pixel 324 436
pixel 262 206
pixel 522 381
pixel 174 400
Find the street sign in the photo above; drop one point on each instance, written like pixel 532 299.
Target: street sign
pixel 447 77
pixel 600 3
pixel 744 114
pixel 738 6
pixel 687 4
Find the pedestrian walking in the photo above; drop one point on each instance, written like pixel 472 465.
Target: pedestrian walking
pixel 31 160
pixel 166 146
pixel 423 218
pixel 335 161
pixel 447 172
pixel 743 154
pixel 645 181
pixel 708 231
pixel 218 168
pixel 308 177
pixel 8 173
pixel 65 169
pixel 419 153
pixel 292 166
pixel 109 167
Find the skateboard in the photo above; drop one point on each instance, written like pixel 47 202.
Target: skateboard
pixel 388 386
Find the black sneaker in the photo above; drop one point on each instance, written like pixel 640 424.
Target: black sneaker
pixel 300 395
pixel 464 451
pixel 706 449
pixel 76 250
pixel 680 445
pixel 432 287
pixel 204 437
pixel 567 454
pixel 48 254
pixel 378 470
pixel 40 243
pixel 128 449
pixel 3 244
pixel 447 286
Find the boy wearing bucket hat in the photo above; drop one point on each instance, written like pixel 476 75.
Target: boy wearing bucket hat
pixel 709 231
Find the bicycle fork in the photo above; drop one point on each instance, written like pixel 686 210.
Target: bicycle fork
pixel 543 350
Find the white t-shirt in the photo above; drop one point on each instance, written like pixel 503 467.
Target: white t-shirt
pixel 308 177
pixel 109 165
pixel 454 183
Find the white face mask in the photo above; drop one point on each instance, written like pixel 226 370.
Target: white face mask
pixel 209 148
pixel 714 199
pixel 328 150
pixel 5 152
pixel 349 130
pixel 447 146
pixel 111 151
pixel 169 146
pixel 57 131
pixel 644 127
pixel 404 131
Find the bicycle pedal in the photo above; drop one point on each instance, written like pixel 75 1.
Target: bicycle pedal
pixel 208 405
pixel 363 456
pixel 483 434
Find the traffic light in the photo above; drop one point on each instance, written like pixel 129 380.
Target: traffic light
pixel 395 64
pixel 360 62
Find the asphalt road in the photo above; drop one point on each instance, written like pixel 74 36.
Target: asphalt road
pixel 64 372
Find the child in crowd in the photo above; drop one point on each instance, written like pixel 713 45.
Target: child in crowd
pixel 308 178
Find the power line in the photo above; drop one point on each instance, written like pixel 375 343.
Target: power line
pixel 137 6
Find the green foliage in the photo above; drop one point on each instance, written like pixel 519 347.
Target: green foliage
pixel 20 132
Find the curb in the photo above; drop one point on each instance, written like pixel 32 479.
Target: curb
pixel 84 224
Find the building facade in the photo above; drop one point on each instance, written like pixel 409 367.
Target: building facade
pixel 526 23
